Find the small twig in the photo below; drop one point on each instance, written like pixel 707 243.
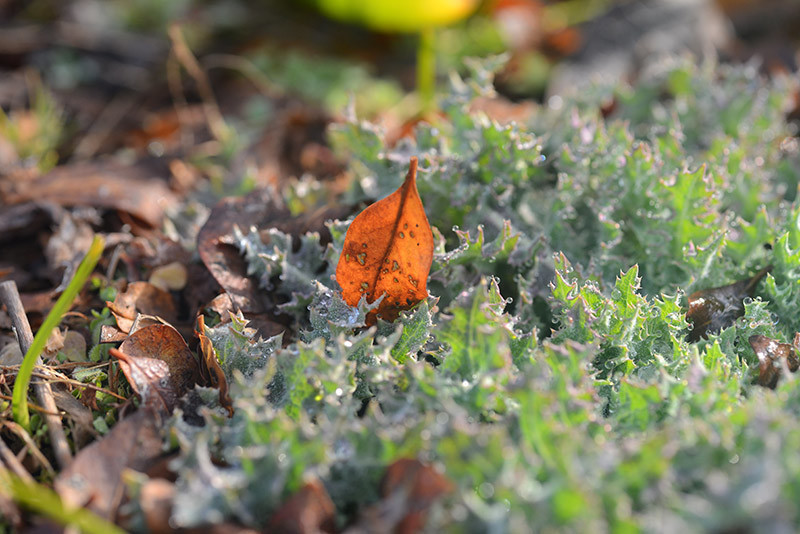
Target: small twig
pixel 13 464
pixel 103 126
pixel 34 407
pixel 32 448
pixel 77 384
pixel 175 85
pixel 184 55
pixel 50 374
pixel 114 261
pixel 246 68
pixel 10 297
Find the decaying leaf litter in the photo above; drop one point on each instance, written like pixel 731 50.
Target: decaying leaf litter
pixel 438 404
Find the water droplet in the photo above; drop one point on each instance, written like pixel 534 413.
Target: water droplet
pixel 486 490
pixel 339 392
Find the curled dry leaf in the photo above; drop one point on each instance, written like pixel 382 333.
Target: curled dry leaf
pixel 111 334
pixel 308 510
pixel 771 358
pixel 158 364
pixel 211 369
pixel 141 297
pixel 149 378
pixel 388 250
pixel 711 310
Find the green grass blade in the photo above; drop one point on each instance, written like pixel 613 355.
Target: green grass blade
pixel 43 500
pixel 20 396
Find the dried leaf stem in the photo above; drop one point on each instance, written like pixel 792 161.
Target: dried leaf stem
pixel 187 60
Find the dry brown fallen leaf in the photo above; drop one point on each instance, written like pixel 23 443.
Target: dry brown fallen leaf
pixel 408 489
pixel 388 250
pixel 172 276
pixel 141 297
pixel 771 357
pixel 136 189
pixel 421 484
pixel 711 310
pixel 149 378
pixel 158 364
pixel 93 479
pixel 155 500
pixel 310 510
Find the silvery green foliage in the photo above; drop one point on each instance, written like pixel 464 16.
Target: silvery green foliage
pixel 237 348
pixel 292 273
pixel 549 374
pixel 412 330
pixel 331 315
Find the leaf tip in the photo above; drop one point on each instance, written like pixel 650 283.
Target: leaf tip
pixel 412 170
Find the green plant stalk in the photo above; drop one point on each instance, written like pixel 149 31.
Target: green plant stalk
pixel 426 68
pixel 22 382
pixel 45 501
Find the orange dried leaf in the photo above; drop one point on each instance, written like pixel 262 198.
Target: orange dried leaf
pixel 388 250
